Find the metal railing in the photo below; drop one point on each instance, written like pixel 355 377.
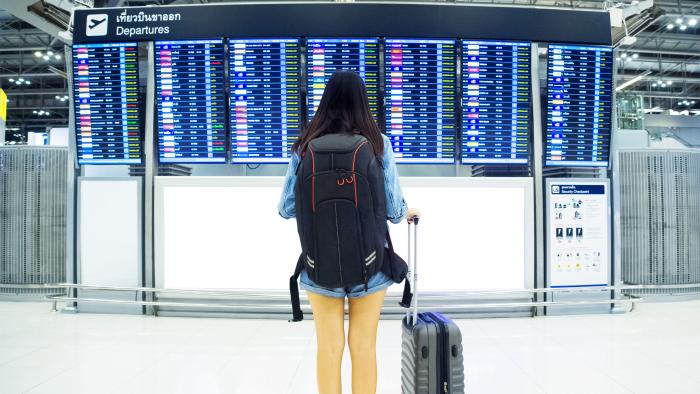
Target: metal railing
pixel 278 300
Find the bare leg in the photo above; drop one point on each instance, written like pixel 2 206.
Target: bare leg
pixel 362 340
pixel 330 339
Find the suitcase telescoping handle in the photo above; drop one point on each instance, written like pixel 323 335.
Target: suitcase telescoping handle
pixel 412 312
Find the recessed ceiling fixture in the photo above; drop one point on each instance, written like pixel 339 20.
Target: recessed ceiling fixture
pixel 48 55
pixel 682 23
pixel 19 81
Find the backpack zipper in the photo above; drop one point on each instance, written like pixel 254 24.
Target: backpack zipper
pixel 337 237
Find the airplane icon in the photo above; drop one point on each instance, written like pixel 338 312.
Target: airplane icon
pixel 96 25
pixel 96 22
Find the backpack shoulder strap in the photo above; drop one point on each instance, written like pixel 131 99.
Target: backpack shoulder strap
pixel 406 296
pixel 297 314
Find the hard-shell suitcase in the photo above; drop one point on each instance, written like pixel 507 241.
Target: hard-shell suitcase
pixel 431 345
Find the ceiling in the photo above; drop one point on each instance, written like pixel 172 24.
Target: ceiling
pixel 18 43
pixel 662 53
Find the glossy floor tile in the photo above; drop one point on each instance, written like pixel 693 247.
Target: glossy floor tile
pixel 655 349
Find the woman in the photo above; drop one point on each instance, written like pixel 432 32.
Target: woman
pixel 344 109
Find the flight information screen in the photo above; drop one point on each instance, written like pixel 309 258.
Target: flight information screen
pixel 265 100
pixel 495 102
pixel 105 95
pixel 579 105
pixel 324 56
pixel 190 101
pixel 420 99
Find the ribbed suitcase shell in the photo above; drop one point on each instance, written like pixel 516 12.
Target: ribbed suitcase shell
pixel 420 375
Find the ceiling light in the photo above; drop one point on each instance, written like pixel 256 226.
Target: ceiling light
pixel 670 26
pixel 692 22
pixel 654 84
pixel 635 55
pixel 679 21
pixel 33 112
pixel 624 56
pixel 682 27
pixel 12 79
pixel 669 82
pixel 58 98
pixel 27 82
pixel 21 79
pixel 48 55
pixel 18 82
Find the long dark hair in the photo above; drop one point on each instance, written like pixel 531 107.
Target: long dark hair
pixel 343 109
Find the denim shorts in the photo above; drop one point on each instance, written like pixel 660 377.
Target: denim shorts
pixel 376 282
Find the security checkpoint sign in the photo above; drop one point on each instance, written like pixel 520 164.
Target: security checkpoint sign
pixel 578 232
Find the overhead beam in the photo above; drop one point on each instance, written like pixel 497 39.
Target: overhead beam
pixel 665 96
pixel 20 9
pixel 23 49
pixel 44 107
pixel 625 77
pixel 667 36
pixel 22 32
pixel 30 75
pixel 660 52
pixel 38 93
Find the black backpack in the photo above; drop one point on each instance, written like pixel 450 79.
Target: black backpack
pixel 341 215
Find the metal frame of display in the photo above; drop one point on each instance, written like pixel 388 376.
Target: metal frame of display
pixel 150 161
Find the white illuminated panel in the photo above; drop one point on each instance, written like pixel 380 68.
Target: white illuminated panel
pixel 475 233
pixel 109 240
pixel 225 233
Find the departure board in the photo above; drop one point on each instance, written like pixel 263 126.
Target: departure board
pixel 579 105
pixel 190 103
pixel 324 56
pixel 265 99
pixel 495 102
pixel 420 99
pixel 105 95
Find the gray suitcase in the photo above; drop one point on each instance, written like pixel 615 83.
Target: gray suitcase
pixel 431 345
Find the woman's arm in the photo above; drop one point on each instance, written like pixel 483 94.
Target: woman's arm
pixel 286 207
pixel 395 205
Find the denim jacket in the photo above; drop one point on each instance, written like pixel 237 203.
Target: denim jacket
pixel 395 205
